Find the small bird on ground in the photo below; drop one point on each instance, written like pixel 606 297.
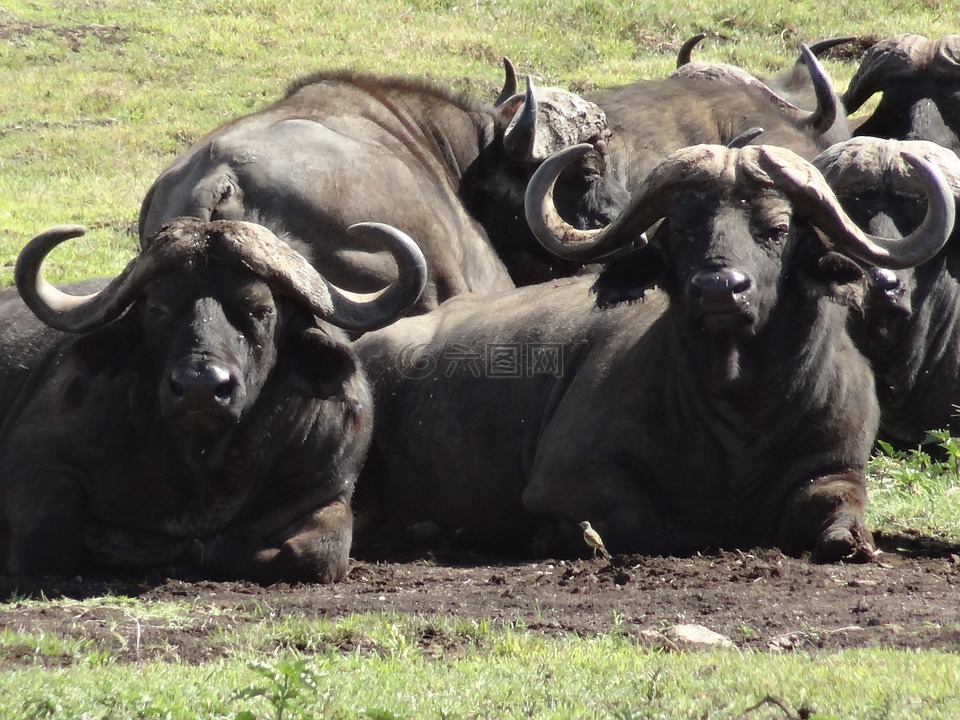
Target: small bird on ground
pixel 593 539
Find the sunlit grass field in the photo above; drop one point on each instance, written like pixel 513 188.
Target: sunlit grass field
pixel 98 96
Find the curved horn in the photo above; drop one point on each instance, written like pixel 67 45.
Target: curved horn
pixel 289 273
pixel 745 138
pixel 353 311
pixel 78 313
pixel 828 103
pixel 694 164
pixel 686 50
pixel 521 133
pixel 888 60
pixel 509 83
pixel 253 245
pixel 821 46
pixel 554 233
pixel 809 191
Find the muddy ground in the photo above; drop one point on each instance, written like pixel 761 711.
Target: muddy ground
pixel 761 599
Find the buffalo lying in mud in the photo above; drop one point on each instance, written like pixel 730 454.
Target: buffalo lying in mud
pixel 911 327
pixel 919 83
pixel 345 147
pixel 712 103
pixel 201 409
pixel 730 409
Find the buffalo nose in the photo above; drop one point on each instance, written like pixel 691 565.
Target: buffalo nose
pixel 883 279
pixel 725 282
pixel 201 385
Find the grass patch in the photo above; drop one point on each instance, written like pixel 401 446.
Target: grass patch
pixel 514 674
pixel 916 494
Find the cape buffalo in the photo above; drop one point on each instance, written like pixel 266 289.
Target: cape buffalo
pixel 712 103
pixel 919 82
pixel 911 327
pixel 345 147
pixel 731 409
pixel 201 409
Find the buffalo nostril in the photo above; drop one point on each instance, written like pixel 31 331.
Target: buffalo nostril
pixel 724 281
pixel 225 389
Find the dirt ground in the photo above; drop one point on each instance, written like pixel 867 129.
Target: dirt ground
pixel 760 599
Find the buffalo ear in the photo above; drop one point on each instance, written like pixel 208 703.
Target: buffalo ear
pixel 319 365
pixel 840 278
pixel 626 278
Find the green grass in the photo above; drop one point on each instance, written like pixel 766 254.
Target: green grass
pixel 96 98
pixel 910 493
pixel 505 673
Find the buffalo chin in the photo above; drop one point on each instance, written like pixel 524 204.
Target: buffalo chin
pixel 202 447
pixel 738 323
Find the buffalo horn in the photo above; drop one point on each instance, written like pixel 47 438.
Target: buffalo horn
pixel 80 313
pixel 364 312
pixel 509 83
pixel 521 133
pixel 696 164
pixel 289 273
pixel 256 247
pixel 828 103
pixel 685 54
pixel 707 164
pixel 809 191
pixel 745 138
pixel 821 46
pixel 860 164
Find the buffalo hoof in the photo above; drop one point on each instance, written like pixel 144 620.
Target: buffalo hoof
pixel 845 539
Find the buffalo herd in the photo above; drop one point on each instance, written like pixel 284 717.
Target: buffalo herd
pixel 378 312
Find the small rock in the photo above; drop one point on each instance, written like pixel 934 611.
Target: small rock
pixel 696 635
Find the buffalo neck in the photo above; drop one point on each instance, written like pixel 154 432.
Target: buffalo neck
pixel 801 358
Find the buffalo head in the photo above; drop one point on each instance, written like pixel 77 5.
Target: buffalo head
pixel 739 226
pixel 213 301
pixel 529 128
pixel 919 80
pixel 879 190
pixel 910 329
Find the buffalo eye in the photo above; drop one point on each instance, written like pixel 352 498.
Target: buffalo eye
pixel 157 312
pixel 777 233
pixel 261 313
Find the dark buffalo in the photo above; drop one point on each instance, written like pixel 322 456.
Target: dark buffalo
pixel 712 103
pixel 344 147
pixel 731 409
pixel 911 327
pixel 919 82
pixel 201 409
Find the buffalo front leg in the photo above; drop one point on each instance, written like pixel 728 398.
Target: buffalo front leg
pixel 314 548
pixel 826 516
pixel 42 518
